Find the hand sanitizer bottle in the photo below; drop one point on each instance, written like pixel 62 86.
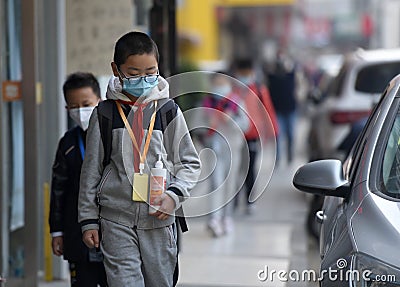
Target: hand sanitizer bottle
pixel 158 182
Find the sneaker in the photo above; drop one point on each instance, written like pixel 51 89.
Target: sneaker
pixel 228 225
pixel 215 227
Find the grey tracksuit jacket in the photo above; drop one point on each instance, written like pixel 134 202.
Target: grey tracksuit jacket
pixel 111 186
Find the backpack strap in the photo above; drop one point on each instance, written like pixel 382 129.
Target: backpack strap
pixel 181 220
pixel 168 112
pixel 105 117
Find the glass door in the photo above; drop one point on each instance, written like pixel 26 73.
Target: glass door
pixel 12 145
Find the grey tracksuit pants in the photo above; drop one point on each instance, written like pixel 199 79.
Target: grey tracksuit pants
pixel 138 258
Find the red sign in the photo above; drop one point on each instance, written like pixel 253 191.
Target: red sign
pixel 11 91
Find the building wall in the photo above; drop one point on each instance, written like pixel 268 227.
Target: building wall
pixel 92 29
pixel 198 25
pixel 390 23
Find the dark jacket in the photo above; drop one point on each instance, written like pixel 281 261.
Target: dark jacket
pixel 282 89
pixel 64 195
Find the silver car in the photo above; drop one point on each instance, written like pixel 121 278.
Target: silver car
pixel 360 231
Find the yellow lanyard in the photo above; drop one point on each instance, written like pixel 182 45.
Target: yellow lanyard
pixel 131 134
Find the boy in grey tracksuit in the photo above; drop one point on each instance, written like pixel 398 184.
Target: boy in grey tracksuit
pixel 139 249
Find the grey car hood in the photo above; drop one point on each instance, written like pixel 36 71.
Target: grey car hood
pixel 376 228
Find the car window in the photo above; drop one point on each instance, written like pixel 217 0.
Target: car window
pixel 390 177
pixel 356 152
pixel 373 78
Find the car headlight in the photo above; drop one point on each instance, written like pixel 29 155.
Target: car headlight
pixel 371 272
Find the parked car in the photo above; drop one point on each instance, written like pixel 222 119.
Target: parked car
pixel 360 230
pixel 313 224
pixel 350 97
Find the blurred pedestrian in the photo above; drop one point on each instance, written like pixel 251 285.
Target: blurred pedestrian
pixel 226 121
pixel 139 246
pixel 257 102
pixel 282 86
pixel 82 94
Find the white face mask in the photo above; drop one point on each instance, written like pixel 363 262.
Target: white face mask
pixel 81 116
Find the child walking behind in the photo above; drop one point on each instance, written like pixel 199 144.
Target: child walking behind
pixel 139 248
pixel 82 94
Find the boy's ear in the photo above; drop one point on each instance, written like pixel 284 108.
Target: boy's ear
pixel 114 69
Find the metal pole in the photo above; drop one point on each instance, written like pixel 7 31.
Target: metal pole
pixel 172 47
pixel 157 31
pixel 165 40
pixel 30 93
pixel 52 118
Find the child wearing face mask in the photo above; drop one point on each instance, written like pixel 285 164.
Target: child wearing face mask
pixel 258 104
pixel 139 246
pixel 227 123
pixel 82 94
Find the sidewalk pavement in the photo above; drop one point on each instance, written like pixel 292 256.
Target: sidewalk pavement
pixel 274 237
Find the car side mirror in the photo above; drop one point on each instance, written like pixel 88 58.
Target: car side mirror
pixel 323 177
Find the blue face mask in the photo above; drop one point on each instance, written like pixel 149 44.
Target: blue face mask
pixel 138 89
pixel 221 90
pixel 138 86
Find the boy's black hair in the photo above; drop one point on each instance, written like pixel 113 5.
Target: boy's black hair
pixel 243 64
pixel 134 43
pixel 81 80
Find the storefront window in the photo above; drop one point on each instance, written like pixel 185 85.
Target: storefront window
pixel 14 146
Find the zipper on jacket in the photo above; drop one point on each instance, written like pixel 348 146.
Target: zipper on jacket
pixel 137 212
pixel 101 185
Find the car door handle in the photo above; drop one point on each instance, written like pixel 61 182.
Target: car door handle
pixel 320 216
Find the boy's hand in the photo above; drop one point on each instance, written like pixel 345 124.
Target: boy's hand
pixel 167 206
pixel 57 243
pixel 91 238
